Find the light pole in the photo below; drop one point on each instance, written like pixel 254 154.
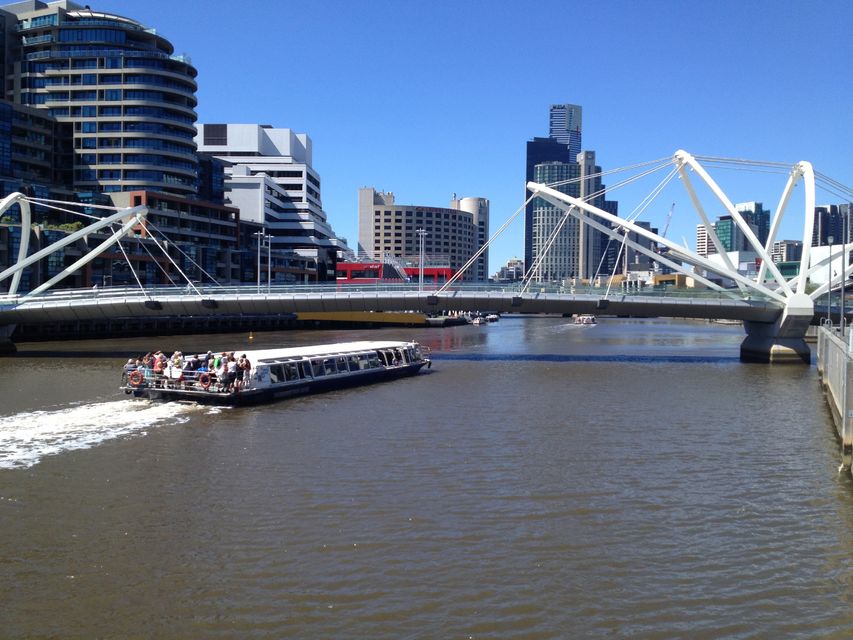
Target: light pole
pixel 269 261
pixel 829 239
pixel 260 235
pixel 422 233
pixel 843 269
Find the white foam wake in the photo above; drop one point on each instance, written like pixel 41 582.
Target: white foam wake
pixel 25 438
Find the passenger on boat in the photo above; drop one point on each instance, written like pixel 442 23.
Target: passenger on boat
pixel 232 372
pixel 192 364
pixel 243 369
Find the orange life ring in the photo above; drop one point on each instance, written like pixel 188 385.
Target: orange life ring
pixel 204 380
pixel 135 378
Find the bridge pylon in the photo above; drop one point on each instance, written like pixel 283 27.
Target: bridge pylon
pixel 782 341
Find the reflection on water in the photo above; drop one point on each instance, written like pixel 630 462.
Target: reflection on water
pixel 541 481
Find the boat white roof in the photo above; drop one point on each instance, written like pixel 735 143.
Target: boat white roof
pixel 319 350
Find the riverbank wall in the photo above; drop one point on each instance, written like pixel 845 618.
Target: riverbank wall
pixel 835 367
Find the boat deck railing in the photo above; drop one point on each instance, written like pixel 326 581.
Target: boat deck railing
pixel 179 380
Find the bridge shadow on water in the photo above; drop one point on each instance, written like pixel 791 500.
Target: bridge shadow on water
pixel 440 357
pixel 554 357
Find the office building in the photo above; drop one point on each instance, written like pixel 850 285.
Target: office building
pixel 730 235
pixel 387 229
pixel 129 100
pixel 832 220
pixel 563 144
pixel 270 177
pixel 512 271
pixel 99 110
pixel 539 151
pixel 565 126
pixel 563 246
pixel 787 251
pixel 757 217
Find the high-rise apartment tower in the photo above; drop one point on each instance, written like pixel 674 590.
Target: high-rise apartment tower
pixel 130 100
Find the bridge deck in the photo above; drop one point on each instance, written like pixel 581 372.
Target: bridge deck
pixel 66 305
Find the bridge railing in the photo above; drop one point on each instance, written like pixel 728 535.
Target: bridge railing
pixel 218 291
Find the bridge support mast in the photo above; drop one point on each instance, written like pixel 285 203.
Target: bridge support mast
pixel 783 341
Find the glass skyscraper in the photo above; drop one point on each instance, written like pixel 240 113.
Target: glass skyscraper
pixel 566 122
pixel 563 144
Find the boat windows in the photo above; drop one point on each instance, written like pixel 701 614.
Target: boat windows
pixel 373 361
pixel 317 368
pixel 276 373
pixel 352 361
pixel 291 371
pixel 305 370
pixel 342 364
pixel 329 366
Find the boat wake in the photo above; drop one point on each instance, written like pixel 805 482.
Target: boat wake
pixel 25 438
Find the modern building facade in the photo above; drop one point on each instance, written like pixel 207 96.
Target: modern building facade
pixel 577 251
pixel 566 125
pixel 539 151
pixel 563 144
pixel 787 251
pixel 832 220
pixel 731 237
pixel 99 110
pixel 130 102
pixel 270 177
pixel 512 271
pixel 389 229
pixel 563 246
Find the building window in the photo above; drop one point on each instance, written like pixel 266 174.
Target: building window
pixel 216 134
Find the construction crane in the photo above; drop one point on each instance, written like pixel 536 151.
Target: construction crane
pixel 662 249
pixel 668 220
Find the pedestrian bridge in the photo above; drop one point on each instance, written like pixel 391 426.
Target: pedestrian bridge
pixel 117 303
pixel 776 310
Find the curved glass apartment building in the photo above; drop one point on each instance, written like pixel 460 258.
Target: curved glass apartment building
pixel 130 100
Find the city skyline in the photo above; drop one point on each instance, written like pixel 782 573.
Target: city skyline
pixel 450 121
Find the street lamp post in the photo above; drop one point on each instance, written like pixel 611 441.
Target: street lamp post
pixel 260 235
pixel 422 233
pixel 269 261
pixel 844 240
pixel 829 239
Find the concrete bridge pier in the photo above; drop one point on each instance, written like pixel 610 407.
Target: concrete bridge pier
pixel 6 344
pixel 782 341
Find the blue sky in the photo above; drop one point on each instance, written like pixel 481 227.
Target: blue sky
pixel 427 99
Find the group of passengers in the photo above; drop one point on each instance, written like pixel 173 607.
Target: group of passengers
pixel 224 372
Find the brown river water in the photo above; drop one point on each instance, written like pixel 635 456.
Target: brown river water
pixel 632 479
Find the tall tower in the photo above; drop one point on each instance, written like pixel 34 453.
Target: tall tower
pixel 563 144
pixel 130 100
pixel 565 126
pixel 555 253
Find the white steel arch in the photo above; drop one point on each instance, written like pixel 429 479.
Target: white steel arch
pixel 129 218
pixel 777 288
pixel 782 340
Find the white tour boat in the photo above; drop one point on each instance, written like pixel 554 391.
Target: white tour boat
pixel 585 319
pixel 282 373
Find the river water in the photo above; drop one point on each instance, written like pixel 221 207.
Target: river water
pixel 632 479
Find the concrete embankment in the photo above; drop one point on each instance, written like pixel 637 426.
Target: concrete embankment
pixel 835 367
